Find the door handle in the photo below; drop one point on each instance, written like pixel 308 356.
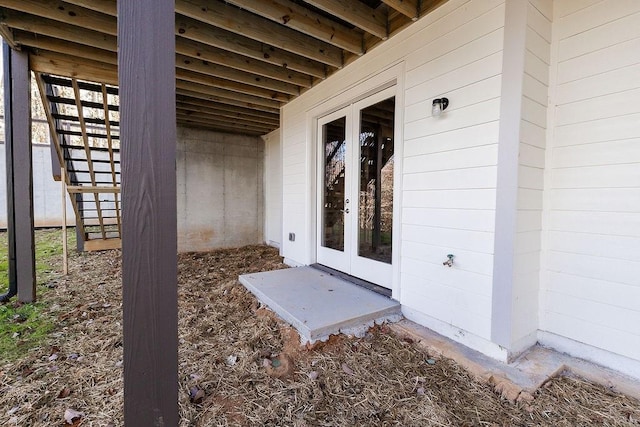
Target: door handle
pixel 344 210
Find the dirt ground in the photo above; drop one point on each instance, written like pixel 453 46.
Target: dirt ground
pixel 240 365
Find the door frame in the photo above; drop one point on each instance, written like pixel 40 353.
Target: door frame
pixel 336 258
pixel 393 76
pixel 362 267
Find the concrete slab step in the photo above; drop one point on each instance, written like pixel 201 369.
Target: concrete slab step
pixel 318 304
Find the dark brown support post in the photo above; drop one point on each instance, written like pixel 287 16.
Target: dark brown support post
pixel 17 84
pixel 146 63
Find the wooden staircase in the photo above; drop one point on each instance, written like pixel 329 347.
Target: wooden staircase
pixel 84 122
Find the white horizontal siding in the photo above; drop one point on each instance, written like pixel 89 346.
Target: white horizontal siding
pixel 564 8
pixel 456 118
pixel 528 242
pixel 604 176
pixel 273 189
pixel 600 61
pixel 582 22
pixel 609 268
pixel 460 218
pixel 527 221
pixel 599 38
pixel 612 294
pixel 615 152
pixel 294 186
pixel 461 27
pixel 481 177
pixel 596 199
pixel 530 177
pixel 531 163
pixel 598 130
pixel 532 134
pixel 448 165
pixel 583 329
pixel 536 67
pixel 535 88
pixel 599 245
pixel 615 81
pixel 591 285
pixel 468 240
pixel 451 306
pixel 450 199
pixel 473 157
pixel 609 223
pixel 612 105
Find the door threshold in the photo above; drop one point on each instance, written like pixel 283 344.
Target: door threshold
pixel 355 280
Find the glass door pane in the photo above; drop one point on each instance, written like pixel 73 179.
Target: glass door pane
pixel 333 208
pixel 375 216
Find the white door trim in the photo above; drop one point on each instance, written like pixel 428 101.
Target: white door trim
pixel 391 76
pixel 327 256
pixel 365 268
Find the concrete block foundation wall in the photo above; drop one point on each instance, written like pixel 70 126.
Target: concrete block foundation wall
pixel 220 190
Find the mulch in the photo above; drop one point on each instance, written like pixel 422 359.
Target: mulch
pixel 240 365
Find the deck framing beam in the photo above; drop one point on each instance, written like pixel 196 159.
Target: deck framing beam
pixel 230 18
pixel 409 8
pixel 370 20
pixel 306 21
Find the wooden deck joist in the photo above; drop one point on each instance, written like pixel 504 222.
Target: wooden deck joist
pixel 229 54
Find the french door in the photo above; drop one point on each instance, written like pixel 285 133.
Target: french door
pixel 355 188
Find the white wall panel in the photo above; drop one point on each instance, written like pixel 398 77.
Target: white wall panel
pixel 273 188
pixel 478 262
pixel 600 61
pixel 461 219
pixel 609 129
pixel 475 241
pixel 481 177
pixel 448 165
pixel 531 164
pixel 467 137
pixel 591 284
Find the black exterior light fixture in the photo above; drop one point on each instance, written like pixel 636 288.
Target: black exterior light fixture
pixel 439 105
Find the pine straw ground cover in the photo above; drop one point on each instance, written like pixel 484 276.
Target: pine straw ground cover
pixel 240 365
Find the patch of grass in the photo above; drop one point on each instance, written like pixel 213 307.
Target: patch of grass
pixel 25 326
pixel 22 327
